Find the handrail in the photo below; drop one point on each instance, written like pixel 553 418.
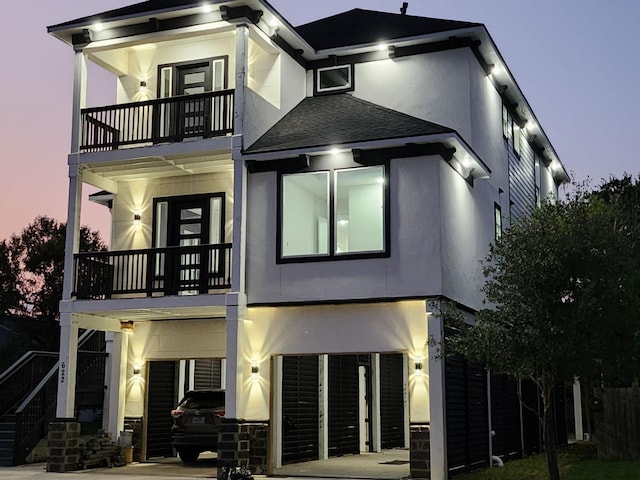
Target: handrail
pixel 170 119
pixel 23 360
pixel 152 271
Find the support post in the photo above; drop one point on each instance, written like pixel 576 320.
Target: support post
pixel 65 407
pixel 116 381
pixel 577 409
pixel 437 405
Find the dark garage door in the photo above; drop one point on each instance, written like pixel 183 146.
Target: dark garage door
pixel 161 399
pixel 344 421
pixel 392 400
pixel 299 409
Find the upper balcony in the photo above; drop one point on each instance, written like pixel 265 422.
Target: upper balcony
pixel 154 272
pixel 156 121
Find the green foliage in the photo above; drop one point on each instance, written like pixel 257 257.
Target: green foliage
pixel 31 276
pixel 562 289
pixel 577 462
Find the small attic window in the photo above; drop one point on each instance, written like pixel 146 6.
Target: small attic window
pixel 333 79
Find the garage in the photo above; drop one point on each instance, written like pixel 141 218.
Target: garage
pixel 167 381
pixel 338 405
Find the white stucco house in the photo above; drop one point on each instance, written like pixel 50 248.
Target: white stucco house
pixel 290 205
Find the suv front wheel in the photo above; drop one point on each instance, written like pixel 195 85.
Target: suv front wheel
pixel 188 455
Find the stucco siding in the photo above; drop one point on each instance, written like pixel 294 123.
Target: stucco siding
pixel 412 269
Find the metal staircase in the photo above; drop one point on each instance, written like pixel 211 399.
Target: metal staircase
pixel 28 391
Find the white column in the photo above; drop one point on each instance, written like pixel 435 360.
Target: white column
pixel 65 407
pixel 236 367
pixel 72 240
pixel 577 409
pixel 116 381
pixel 79 98
pixel 323 403
pixel 438 456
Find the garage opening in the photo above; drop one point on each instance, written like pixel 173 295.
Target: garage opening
pixel 332 408
pixel 167 382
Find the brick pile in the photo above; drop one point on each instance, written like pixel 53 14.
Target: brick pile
pixel 100 451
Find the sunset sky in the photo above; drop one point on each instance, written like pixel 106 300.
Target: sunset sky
pixel 575 60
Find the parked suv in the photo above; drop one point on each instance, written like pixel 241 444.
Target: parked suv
pixel 196 421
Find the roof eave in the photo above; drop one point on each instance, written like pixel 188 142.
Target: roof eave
pixel 464 154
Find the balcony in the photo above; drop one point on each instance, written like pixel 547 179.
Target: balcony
pixel 156 121
pixel 156 272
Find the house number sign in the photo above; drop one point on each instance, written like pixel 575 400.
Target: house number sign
pixel 63 371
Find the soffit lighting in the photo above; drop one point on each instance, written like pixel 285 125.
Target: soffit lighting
pixel 97 27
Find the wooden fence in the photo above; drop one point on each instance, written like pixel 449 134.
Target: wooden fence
pixel 618 432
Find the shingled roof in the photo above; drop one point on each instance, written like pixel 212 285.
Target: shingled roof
pixel 340 120
pixel 361 27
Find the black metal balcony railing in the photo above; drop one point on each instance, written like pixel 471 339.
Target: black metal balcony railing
pixel 164 271
pixel 155 121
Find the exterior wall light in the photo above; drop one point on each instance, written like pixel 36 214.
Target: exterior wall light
pixel 255 370
pixel 143 86
pixel 126 326
pixel 418 365
pixel 136 370
pixel 137 219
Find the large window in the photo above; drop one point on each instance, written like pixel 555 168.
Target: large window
pixel 334 213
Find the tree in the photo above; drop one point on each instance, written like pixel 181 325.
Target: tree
pixel 32 272
pixel 559 291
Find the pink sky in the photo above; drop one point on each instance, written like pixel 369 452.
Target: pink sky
pixel 575 60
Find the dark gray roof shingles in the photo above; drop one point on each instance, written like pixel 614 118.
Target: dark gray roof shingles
pixel 340 119
pixel 359 27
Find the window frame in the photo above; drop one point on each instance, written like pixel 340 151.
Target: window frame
pixel 329 165
pixel 325 91
pixel 497 222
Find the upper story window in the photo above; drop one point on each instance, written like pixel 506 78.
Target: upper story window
pixel 334 79
pixel 334 213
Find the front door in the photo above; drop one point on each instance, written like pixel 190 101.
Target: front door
pixel 191 113
pixel 186 230
pixel 196 112
pixel 189 227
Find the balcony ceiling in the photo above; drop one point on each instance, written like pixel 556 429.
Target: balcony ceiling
pixel 161 166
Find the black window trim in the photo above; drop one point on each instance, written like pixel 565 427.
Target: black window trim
pixel 319 166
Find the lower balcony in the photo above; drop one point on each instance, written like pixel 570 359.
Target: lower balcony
pixel 161 120
pixel 155 272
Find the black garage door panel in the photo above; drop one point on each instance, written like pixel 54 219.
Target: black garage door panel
pixel 299 409
pixel 392 400
pixel 160 401
pixel 344 421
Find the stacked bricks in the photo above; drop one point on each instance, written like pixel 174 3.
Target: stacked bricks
pixel 420 452
pixel 243 445
pixel 63 452
pixel 100 451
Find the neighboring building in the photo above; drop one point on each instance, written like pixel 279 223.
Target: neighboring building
pixel 289 207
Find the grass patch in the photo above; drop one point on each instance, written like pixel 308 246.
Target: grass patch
pixel 577 462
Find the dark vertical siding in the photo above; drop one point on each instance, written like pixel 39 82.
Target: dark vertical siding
pixel 522 191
